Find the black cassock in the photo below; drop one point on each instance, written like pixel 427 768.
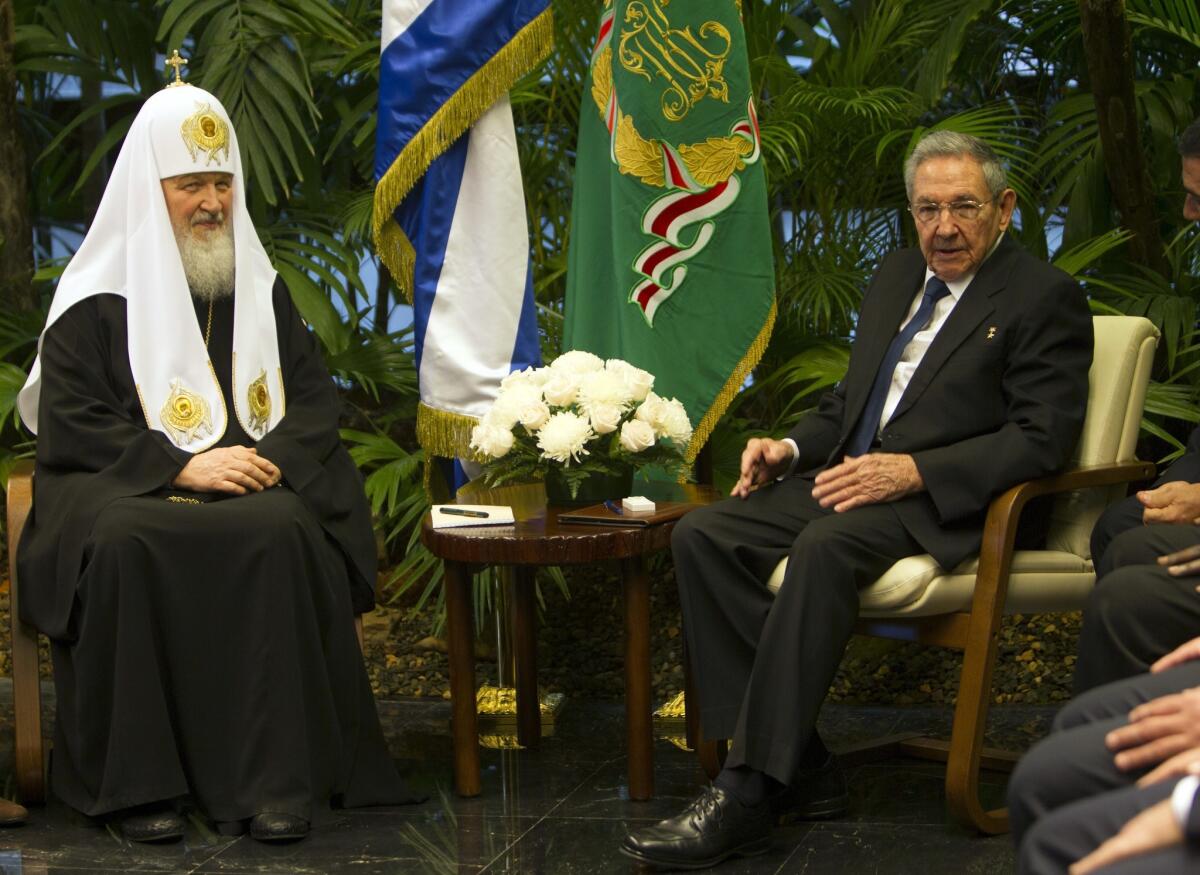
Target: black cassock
pixel 203 650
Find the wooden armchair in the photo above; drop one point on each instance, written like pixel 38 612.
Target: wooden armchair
pixel 916 600
pixel 27 692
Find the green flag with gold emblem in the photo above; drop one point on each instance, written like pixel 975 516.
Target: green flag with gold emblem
pixel 670 261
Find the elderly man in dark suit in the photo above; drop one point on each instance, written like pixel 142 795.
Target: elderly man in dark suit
pixel 968 375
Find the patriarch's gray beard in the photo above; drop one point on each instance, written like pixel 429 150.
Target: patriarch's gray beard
pixel 208 263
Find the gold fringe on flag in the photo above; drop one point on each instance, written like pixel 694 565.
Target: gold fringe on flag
pixel 528 48
pixel 443 433
pixel 732 386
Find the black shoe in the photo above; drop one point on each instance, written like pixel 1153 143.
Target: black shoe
pixel 158 824
pixel 814 794
pixel 714 827
pixel 273 826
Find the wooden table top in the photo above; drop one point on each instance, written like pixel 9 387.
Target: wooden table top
pixel 537 537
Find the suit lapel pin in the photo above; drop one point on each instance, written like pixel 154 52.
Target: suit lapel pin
pixel 991 332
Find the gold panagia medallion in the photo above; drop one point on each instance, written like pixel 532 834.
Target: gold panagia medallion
pixel 205 131
pixel 259 399
pixel 185 415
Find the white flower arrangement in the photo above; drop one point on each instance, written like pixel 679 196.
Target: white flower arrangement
pixel 578 416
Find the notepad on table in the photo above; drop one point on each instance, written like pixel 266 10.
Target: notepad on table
pixel 604 515
pixel 450 516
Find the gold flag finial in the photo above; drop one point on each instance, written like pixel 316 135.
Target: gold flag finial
pixel 177 61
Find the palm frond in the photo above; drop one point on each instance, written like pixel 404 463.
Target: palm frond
pixel 1176 18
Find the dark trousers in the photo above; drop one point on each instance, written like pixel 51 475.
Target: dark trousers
pixel 1125 515
pixel 762 663
pixel 1137 612
pixel 1067 797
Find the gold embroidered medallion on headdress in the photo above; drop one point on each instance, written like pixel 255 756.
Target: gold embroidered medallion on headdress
pixel 184 415
pixel 205 131
pixel 259 398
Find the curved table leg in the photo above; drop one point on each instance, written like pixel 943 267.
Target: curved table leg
pixel 638 721
pixel 460 630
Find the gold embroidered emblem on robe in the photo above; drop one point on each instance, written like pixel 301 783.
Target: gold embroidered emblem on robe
pixel 259 398
pixel 184 415
pixel 205 131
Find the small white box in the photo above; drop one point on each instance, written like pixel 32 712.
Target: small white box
pixel 638 504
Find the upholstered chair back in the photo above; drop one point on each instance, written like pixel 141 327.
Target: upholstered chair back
pixel 1124 354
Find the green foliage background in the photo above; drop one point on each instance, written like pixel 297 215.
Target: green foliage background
pixel 844 89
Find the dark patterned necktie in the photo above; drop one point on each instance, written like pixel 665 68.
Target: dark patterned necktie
pixel 868 423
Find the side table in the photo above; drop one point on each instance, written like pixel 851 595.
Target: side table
pixel 536 539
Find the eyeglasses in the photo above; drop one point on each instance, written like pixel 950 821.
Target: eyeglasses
pixel 964 210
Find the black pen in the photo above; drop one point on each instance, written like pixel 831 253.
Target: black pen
pixel 459 511
pixel 614 507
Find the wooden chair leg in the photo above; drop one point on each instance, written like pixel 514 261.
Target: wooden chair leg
pixel 27 711
pixel 27 690
pixel 970 717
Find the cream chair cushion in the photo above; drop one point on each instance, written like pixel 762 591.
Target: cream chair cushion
pixel 1059 577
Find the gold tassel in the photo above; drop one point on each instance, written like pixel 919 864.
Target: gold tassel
pixel 729 391
pixel 443 433
pixel 528 48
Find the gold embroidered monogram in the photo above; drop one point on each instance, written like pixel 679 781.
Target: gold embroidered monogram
pixel 179 499
pixel 205 131
pixel 693 70
pixel 185 415
pixel 259 398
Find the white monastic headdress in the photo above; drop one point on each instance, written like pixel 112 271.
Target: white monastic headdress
pixel 130 250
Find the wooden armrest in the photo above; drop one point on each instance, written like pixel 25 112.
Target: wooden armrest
pixel 1004 513
pixel 1109 474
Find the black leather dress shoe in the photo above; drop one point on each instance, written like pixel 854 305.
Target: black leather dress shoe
pixel 273 826
pixel 713 828
pixel 152 825
pixel 814 794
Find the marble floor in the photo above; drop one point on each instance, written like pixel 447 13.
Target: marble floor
pixel 561 809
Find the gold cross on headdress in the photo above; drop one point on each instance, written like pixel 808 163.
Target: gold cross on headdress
pixel 177 61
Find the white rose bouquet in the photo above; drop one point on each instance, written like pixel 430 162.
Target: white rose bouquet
pixel 580 417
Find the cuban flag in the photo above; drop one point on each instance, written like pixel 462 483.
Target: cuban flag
pixel 450 220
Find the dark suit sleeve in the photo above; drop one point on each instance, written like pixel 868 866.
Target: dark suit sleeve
pixel 1045 387
pixel 817 432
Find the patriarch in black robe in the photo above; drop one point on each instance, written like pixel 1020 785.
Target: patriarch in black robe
pixel 199 541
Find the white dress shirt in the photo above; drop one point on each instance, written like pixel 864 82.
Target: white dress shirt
pixel 910 358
